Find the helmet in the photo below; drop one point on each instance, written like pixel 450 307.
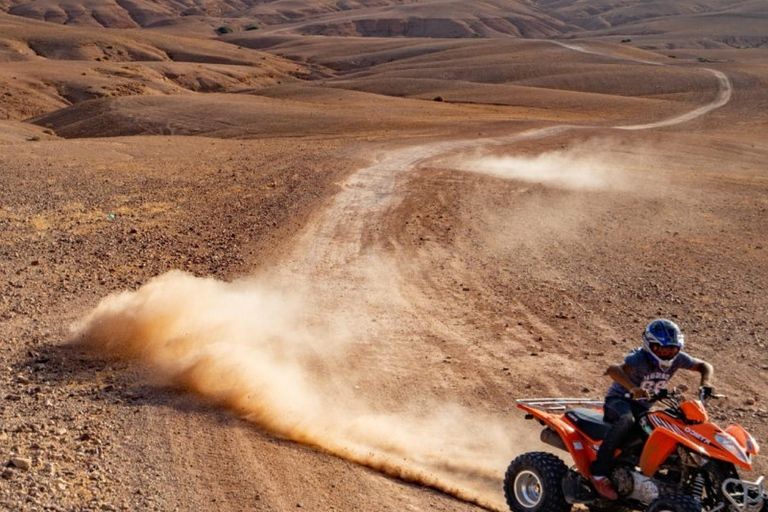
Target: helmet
pixel 663 340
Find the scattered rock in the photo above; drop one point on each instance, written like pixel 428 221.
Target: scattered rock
pixel 22 462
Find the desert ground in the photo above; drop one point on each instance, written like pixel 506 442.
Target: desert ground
pixel 306 254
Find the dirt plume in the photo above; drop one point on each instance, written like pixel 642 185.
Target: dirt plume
pixel 257 348
pixel 586 166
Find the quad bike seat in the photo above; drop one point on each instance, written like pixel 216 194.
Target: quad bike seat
pixel 589 421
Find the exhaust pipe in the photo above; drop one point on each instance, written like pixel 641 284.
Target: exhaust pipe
pixel 552 438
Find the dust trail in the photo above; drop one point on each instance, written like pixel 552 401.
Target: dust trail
pixel 250 347
pixel 280 350
pixel 584 167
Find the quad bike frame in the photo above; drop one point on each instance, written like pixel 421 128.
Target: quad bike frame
pixel 680 439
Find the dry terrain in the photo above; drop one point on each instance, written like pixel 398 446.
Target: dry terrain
pixel 305 254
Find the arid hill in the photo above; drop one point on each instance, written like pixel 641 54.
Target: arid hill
pixel 48 66
pixel 413 18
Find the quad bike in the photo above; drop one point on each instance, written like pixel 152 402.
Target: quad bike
pixel 674 460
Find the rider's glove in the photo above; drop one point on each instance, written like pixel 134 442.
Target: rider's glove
pixel 706 391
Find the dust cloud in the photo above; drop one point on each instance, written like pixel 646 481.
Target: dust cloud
pixel 588 166
pixel 255 347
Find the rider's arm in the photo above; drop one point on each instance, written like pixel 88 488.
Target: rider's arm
pixel 620 373
pixel 705 370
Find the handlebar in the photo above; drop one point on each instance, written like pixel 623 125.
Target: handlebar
pixel 705 393
pixel 653 397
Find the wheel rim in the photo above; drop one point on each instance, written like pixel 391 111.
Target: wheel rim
pixel 528 489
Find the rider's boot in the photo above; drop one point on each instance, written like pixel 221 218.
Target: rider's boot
pixel 604 488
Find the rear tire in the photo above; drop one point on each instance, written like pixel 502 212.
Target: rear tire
pixel 534 483
pixel 674 503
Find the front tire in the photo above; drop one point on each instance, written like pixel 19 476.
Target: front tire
pixel 674 503
pixel 534 483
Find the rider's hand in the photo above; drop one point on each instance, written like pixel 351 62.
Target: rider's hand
pixel 640 393
pixel 706 391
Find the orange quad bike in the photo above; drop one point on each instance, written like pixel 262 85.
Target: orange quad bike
pixel 674 460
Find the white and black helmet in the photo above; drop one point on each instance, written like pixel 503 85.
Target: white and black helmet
pixel 663 340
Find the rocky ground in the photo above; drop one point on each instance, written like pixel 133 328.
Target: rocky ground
pixel 81 220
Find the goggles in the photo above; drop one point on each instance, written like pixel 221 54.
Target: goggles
pixel 664 352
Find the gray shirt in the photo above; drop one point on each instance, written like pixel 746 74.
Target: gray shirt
pixel 645 373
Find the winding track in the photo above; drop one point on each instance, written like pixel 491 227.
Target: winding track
pixel 725 90
pixel 336 255
pixel 371 190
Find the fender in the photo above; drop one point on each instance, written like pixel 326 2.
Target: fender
pixel 657 448
pixel 577 444
pixel 662 442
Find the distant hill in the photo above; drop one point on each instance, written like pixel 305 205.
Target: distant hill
pixel 452 18
pixel 461 52
pixel 46 66
pixel 601 14
pixel 405 18
pixel 446 19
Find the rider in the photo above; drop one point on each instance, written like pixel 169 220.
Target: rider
pixel 645 370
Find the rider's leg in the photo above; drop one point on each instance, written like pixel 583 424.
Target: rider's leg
pixel 618 412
